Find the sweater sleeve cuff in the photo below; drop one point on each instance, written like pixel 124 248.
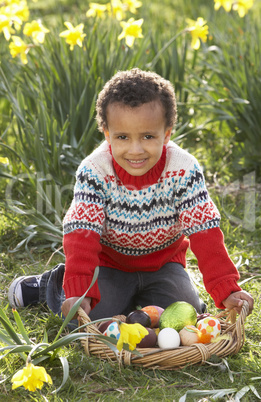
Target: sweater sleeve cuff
pixel 223 290
pixel 77 286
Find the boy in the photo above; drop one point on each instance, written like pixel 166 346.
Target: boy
pixel 139 201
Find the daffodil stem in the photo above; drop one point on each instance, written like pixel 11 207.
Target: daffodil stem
pixel 23 356
pixel 162 50
pixel 39 345
pixel 194 59
pixel 53 356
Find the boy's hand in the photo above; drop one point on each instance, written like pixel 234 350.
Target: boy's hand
pixel 68 303
pixel 235 300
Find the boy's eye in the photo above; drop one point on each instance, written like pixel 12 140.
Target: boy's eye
pixel 122 137
pixel 148 137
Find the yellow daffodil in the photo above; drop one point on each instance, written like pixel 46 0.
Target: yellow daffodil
pixel 7 17
pixel 131 30
pixel 22 11
pixel 97 10
pixel 226 4
pixel 132 5
pixel 12 2
pixel 6 26
pixel 4 161
pixel 131 334
pixel 73 36
pixel 36 30
pixel 19 47
pixel 198 30
pixel 31 377
pixel 242 6
pixel 18 13
pixel 116 9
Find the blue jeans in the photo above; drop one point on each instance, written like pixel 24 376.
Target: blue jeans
pixel 121 292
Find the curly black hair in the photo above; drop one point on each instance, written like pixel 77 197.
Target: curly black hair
pixel 134 88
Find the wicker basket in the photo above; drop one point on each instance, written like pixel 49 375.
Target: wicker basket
pixel 171 359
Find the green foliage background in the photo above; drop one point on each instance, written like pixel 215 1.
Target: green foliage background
pixel 48 106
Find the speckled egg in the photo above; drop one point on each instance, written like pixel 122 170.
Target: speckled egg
pixel 209 325
pixel 112 331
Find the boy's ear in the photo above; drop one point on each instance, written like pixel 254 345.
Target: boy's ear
pixel 167 135
pixel 107 136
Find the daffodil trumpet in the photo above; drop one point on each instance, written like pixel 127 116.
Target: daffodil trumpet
pixel 31 377
pixel 130 334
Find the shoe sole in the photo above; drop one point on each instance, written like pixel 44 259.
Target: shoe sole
pixel 11 293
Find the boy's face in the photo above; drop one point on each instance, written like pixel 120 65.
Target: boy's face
pixel 136 135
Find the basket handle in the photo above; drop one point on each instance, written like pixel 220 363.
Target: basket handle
pixel 83 316
pixel 245 309
pixel 85 319
pixel 239 326
pixel 232 315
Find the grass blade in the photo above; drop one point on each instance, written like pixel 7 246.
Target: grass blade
pixel 21 327
pixel 65 367
pixel 16 349
pixel 219 392
pixel 4 338
pixel 9 328
pixel 239 395
pixel 248 279
pixel 64 341
pixel 253 389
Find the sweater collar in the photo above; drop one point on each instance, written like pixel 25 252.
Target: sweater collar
pixel 144 181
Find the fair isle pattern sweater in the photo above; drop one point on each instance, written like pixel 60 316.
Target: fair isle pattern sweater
pixel 141 222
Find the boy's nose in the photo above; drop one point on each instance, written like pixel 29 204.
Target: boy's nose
pixel 136 147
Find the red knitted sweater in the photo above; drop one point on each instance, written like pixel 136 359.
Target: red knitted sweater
pixel 85 247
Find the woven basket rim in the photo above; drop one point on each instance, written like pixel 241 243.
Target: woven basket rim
pixel 172 359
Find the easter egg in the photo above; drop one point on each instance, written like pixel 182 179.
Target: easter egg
pixel 112 331
pixel 209 325
pixel 104 325
pixel 140 317
pixel 154 312
pixel 177 315
pixel 168 338
pixel 160 309
pixel 188 335
pixel 149 341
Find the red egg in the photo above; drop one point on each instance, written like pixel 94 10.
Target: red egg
pixel 104 325
pixel 149 341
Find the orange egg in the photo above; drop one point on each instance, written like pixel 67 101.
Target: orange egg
pixel 154 314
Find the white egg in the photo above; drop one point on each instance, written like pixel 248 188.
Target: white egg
pixel 168 338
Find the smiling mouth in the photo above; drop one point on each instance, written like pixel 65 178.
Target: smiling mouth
pixel 136 161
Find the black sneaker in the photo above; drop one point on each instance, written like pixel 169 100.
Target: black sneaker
pixel 24 291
